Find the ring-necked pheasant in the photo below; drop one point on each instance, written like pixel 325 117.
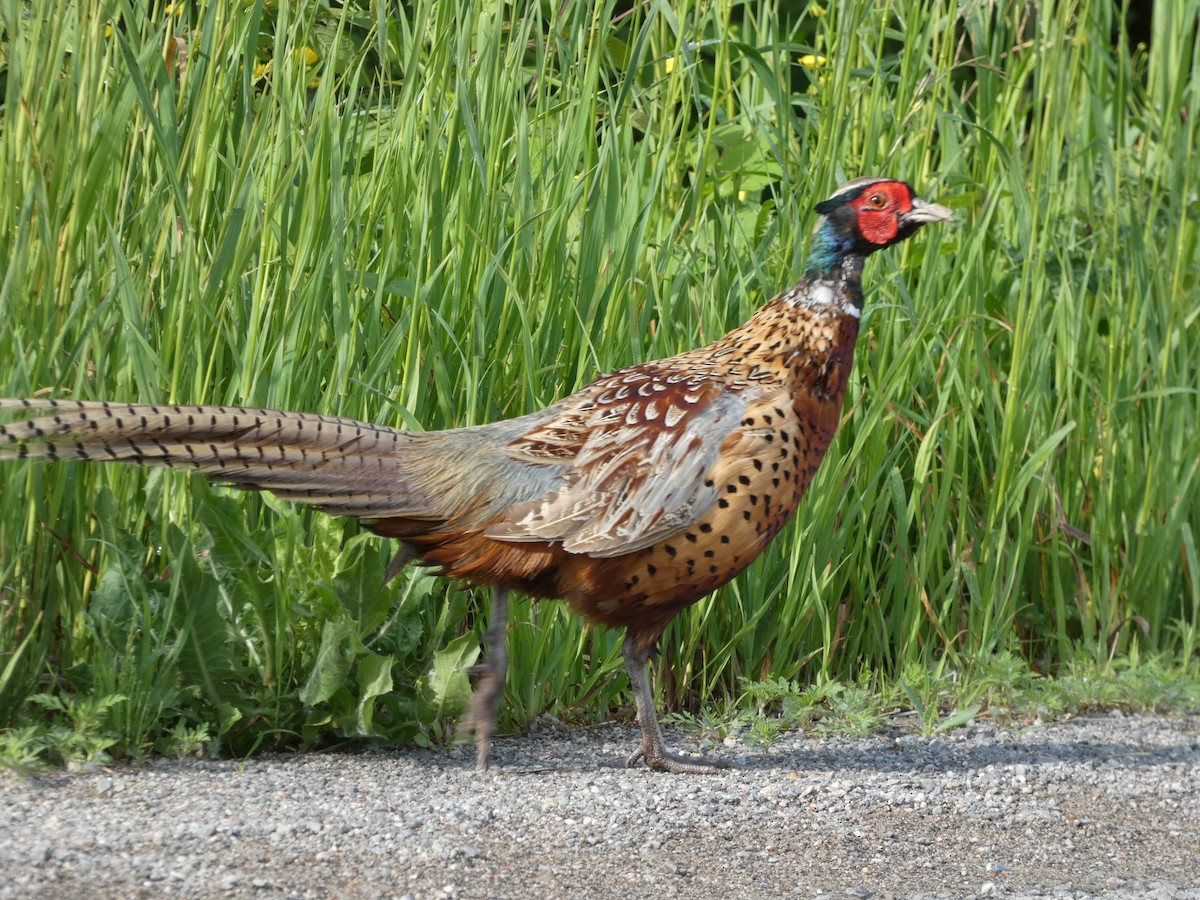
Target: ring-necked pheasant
pixel 632 498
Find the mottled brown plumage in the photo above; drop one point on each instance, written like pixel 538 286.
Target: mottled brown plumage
pixel 631 499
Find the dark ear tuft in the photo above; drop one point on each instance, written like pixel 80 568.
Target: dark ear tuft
pixel 845 194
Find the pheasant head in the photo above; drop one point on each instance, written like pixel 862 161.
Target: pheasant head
pixel 865 215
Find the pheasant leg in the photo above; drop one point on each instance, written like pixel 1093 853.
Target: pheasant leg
pixel 651 749
pixel 485 704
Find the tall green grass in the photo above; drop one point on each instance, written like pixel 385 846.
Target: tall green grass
pixel 438 214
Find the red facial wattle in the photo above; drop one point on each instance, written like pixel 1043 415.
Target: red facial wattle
pixel 879 209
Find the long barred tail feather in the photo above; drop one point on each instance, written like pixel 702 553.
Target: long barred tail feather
pixel 344 466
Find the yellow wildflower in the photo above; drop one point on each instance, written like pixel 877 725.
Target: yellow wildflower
pixel 309 57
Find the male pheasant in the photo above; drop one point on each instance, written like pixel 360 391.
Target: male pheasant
pixel 631 499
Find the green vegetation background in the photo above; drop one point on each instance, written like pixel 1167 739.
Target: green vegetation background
pixel 437 214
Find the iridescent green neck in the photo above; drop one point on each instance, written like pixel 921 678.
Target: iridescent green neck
pixel 826 249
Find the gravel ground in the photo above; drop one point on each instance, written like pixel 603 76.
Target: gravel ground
pixel 1100 806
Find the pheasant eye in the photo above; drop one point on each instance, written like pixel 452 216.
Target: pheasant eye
pixel 877 201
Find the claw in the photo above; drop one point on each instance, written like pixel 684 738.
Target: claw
pixel 651 749
pixel 661 760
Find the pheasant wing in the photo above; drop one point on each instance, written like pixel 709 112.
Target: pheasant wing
pixel 637 450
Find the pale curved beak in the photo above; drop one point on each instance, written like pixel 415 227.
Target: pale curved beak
pixel 923 212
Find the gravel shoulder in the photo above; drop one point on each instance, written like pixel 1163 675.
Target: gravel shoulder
pixel 1098 806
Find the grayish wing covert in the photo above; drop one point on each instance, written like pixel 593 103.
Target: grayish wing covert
pixel 638 473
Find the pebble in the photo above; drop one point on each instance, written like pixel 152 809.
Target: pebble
pixel 1099 806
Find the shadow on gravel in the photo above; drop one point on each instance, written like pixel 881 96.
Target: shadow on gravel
pixel 902 752
pixel 899 753
pixel 917 761
pixel 945 758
